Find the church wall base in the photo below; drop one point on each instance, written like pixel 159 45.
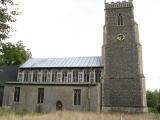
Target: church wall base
pixel 125 109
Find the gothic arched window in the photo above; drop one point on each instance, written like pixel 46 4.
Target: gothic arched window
pixel 120 19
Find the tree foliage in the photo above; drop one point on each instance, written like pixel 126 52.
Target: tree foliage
pixel 13 54
pixel 153 101
pixel 7 15
pixel 10 54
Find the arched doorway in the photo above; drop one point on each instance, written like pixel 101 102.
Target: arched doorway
pixel 59 106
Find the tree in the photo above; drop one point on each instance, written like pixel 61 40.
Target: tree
pixel 10 54
pixel 13 54
pixel 153 101
pixel 6 16
pixel 158 106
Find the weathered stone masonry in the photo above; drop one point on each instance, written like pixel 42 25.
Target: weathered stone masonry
pixel 123 79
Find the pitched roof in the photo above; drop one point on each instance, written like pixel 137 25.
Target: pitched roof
pixel 63 62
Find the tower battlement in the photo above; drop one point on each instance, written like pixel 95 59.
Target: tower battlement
pixel 118 4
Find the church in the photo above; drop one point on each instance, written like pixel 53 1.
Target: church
pixel 112 82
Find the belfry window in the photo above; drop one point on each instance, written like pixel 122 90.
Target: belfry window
pixel 120 19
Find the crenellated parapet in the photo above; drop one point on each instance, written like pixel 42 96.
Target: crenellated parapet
pixel 118 4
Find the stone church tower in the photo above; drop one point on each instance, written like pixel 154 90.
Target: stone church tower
pixel 123 79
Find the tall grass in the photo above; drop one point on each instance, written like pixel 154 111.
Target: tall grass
pixel 78 116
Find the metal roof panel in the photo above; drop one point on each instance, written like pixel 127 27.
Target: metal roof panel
pixel 94 61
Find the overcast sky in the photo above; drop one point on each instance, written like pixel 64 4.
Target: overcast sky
pixel 70 28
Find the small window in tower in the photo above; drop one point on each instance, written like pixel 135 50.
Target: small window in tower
pixel 120 19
